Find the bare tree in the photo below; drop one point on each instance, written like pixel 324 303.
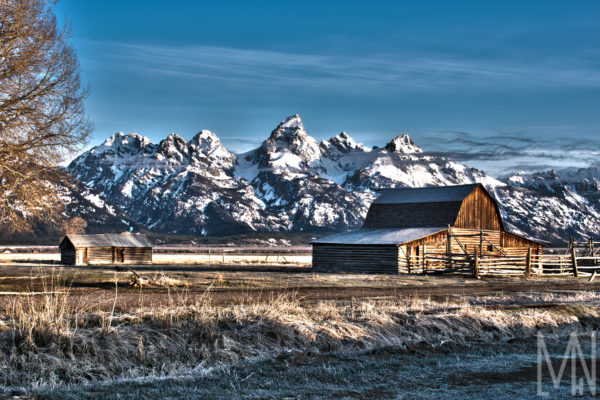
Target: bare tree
pixel 73 226
pixel 42 119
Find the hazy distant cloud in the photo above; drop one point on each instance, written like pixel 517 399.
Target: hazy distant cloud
pixel 240 144
pixel 505 153
pixel 273 69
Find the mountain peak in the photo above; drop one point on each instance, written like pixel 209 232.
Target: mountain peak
pixel 130 140
pixel 173 146
pixel 344 139
pixel 208 143
pixel 174 136
pixel 289 129
pixel 342 142
pixel 291 122
pixel 205 139
pixel 289 147
pixel 402 144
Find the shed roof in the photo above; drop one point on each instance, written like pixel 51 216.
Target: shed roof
pixel 438 194
pixel 109 240
pixel 379 236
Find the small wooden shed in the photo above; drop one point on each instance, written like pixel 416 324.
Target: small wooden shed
pixel 404 224
pixel 108 248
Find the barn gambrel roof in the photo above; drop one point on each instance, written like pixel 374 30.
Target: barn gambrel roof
pixel 439 194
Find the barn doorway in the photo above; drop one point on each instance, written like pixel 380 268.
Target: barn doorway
pixel 120 255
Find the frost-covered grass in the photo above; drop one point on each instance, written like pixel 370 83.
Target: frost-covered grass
pixel 51 342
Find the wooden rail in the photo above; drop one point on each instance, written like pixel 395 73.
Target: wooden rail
pixel 569 264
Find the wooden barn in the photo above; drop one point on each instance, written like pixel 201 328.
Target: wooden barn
pixel 105 248
pixel 403 226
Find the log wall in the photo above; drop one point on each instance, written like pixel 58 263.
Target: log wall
pixel 137 255
pixel 108 255
pixel 99 255
pixel 375 259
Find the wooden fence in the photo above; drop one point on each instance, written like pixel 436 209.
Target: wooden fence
pixel 571 263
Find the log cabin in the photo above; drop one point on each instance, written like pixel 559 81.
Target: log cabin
pixel 105 248
pixel 404 225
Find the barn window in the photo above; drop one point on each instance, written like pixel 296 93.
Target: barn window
pixel 490 247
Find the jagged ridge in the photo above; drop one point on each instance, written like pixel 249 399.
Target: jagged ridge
pixel 292 183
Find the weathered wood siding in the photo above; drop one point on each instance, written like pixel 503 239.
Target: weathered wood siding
pixel 379 259
pixel 511 240
pixel 479 211
pixel 137 255
pixel 100 255
pixel 119 255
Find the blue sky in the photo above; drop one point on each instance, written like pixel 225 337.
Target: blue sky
pixel 499 85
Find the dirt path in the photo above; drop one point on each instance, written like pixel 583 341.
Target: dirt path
pixel 221 285
pixel 103 296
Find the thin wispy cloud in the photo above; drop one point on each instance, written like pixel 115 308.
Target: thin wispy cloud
pixel 186 78
pixel 273 69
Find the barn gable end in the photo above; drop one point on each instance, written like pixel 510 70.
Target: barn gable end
pixel 479 210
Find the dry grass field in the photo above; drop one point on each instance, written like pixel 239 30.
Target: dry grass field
pixel 279 331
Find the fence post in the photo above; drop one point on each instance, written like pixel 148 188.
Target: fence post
pixel 448 248
pixel 408 253
pixel 480 242
pixel 475 264
pixel 528 263
pixel 423 261
pixel 574 261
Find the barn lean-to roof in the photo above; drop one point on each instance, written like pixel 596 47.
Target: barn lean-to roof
pixel 379 236
pixel 109 240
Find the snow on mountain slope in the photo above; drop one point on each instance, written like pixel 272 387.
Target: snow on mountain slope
pixel 100 214
pixel 292 183
pixel 571 197
pixel 175 186
pixel 584 182
pixel 285 172
pixel 79 200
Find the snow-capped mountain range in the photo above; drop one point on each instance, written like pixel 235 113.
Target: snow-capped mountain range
pixel 294 183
